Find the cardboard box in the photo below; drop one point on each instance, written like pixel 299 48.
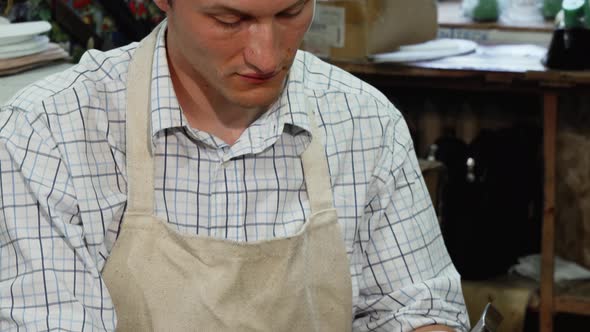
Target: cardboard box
pixel 355 29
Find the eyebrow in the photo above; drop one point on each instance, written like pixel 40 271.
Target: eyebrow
pixel 226 9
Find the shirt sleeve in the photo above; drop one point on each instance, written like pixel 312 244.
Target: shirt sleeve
pixel 408 279
pixel 48 280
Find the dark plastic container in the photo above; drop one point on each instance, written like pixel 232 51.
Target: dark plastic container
pixel 569 50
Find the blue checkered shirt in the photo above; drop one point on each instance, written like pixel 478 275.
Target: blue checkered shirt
pixel 63 192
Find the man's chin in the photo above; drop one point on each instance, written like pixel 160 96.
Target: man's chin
pixel 260 97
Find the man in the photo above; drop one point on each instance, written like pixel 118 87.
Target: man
pixel 215 178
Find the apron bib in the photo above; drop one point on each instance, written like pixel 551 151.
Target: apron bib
pixel 161 280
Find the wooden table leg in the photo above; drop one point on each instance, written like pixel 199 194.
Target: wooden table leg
pixel 550 101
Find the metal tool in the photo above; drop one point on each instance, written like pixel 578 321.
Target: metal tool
pixel 489 321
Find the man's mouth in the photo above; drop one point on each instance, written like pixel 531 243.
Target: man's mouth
pixel 259 78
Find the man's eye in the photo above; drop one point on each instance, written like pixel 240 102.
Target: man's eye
pixel 228 21
pixel 291 13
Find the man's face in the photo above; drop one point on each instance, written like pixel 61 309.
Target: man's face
pixel 238 51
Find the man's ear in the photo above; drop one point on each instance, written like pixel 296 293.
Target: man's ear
pixel 164 5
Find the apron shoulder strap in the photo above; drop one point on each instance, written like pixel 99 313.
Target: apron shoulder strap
pixel 315 167
pixel 140 165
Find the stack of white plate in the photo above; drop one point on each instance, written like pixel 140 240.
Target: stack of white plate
pixel 23 46
pixel 22 39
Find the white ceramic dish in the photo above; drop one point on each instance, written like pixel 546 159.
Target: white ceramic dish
pixel 33 43
pixel 431 50
pixel 4 20
pixel 32 48
pixel 18 32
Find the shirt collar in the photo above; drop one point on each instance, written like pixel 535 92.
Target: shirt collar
pixel 290 109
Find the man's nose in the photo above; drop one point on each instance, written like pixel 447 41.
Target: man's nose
pixel 262 52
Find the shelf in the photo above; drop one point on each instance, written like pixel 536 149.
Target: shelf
pixel 570 297
pixel 450 15
pixel 503 66
pixel 573 298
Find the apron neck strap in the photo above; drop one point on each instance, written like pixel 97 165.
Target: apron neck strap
pixel 315 168
pixel 140 165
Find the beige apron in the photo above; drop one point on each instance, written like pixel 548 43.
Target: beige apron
pixel 161 280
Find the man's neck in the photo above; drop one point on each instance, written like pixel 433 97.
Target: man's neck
pixel 226 122
pixel 204 108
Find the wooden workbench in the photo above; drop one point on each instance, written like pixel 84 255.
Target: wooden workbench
pixel 513 69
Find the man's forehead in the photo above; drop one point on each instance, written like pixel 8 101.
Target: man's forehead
pixel 250 6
